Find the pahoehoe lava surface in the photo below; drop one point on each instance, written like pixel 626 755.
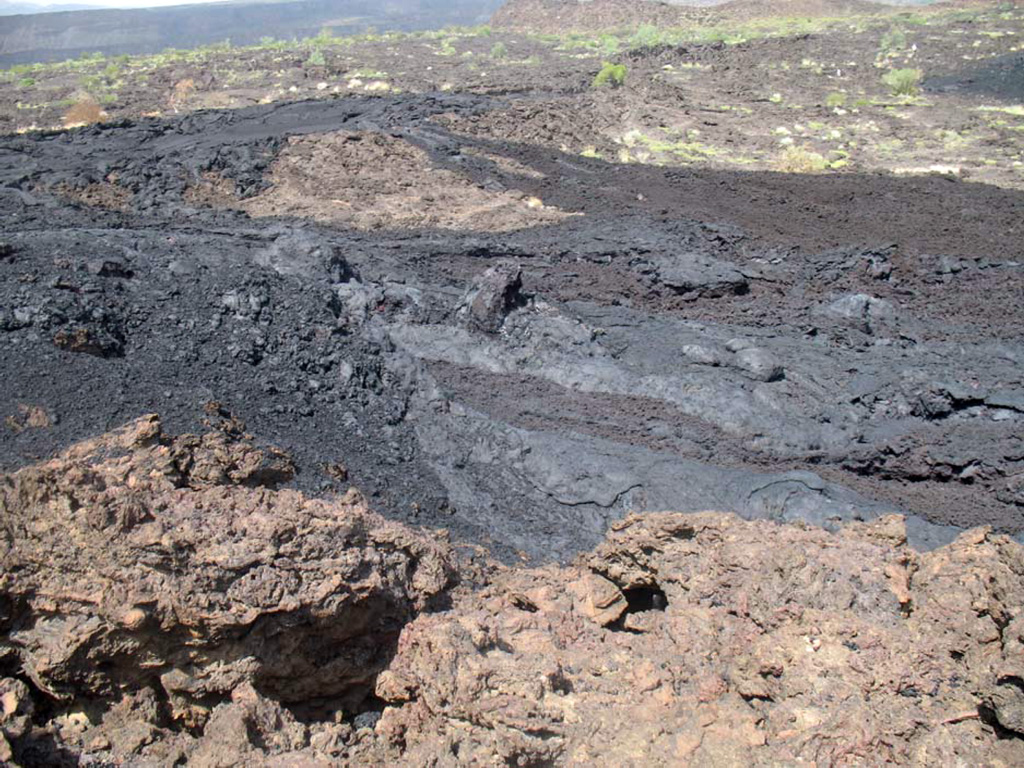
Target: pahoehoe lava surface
pixel 787 347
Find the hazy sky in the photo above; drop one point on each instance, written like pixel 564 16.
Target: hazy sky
pixel 116 3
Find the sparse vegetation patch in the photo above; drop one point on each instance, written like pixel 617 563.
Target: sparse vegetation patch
pixel 835 99
pixel 316 59
pixel 869 78
pixel 613 75
pixel 801 160
pixel 903 82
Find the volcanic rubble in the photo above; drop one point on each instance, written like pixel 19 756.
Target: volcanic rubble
pixel 539 354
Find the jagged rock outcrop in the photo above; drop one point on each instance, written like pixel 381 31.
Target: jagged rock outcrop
pixel 169 573
pixel 163 603
pixel 707 640
pixel 491 297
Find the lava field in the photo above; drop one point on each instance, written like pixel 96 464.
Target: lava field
pixel 382 429
pixel 515 344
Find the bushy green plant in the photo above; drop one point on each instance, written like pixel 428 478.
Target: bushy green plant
pixel 608 44
pixel 26 82
pixel 893 40
pixel 91 83
pixel 499 51
pixel 646 36
pixel 316 59
pixel 903 82
pixel 835 99
pixel 613 75
pixel 610 75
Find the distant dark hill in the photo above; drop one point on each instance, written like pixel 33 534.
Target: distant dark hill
pixel 58 36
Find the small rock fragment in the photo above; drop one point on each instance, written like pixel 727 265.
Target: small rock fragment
pixel 865 313
pixel 759 364
pixel 703 355
pixel 109 267
pixel 599 599
pixel 492 297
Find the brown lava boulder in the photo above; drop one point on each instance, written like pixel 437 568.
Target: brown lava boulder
pixel 136 562
pixel 162 602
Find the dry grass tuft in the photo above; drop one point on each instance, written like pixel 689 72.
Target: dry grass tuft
pixel 183 89
pixel 800 160
pixel 85 112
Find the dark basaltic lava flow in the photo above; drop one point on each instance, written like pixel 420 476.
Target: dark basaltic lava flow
pixel 564 341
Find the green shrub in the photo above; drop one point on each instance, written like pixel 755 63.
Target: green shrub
pixel 91 83
pixel 499 51
pixel 646 36
pixel 893 40
pixel 26 82
pixel 608 44
pixel 903 82
pixel 835 99
pixel 316 59
pixel 611 74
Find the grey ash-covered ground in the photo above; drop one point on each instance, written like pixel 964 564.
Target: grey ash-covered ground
pixel 562 341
